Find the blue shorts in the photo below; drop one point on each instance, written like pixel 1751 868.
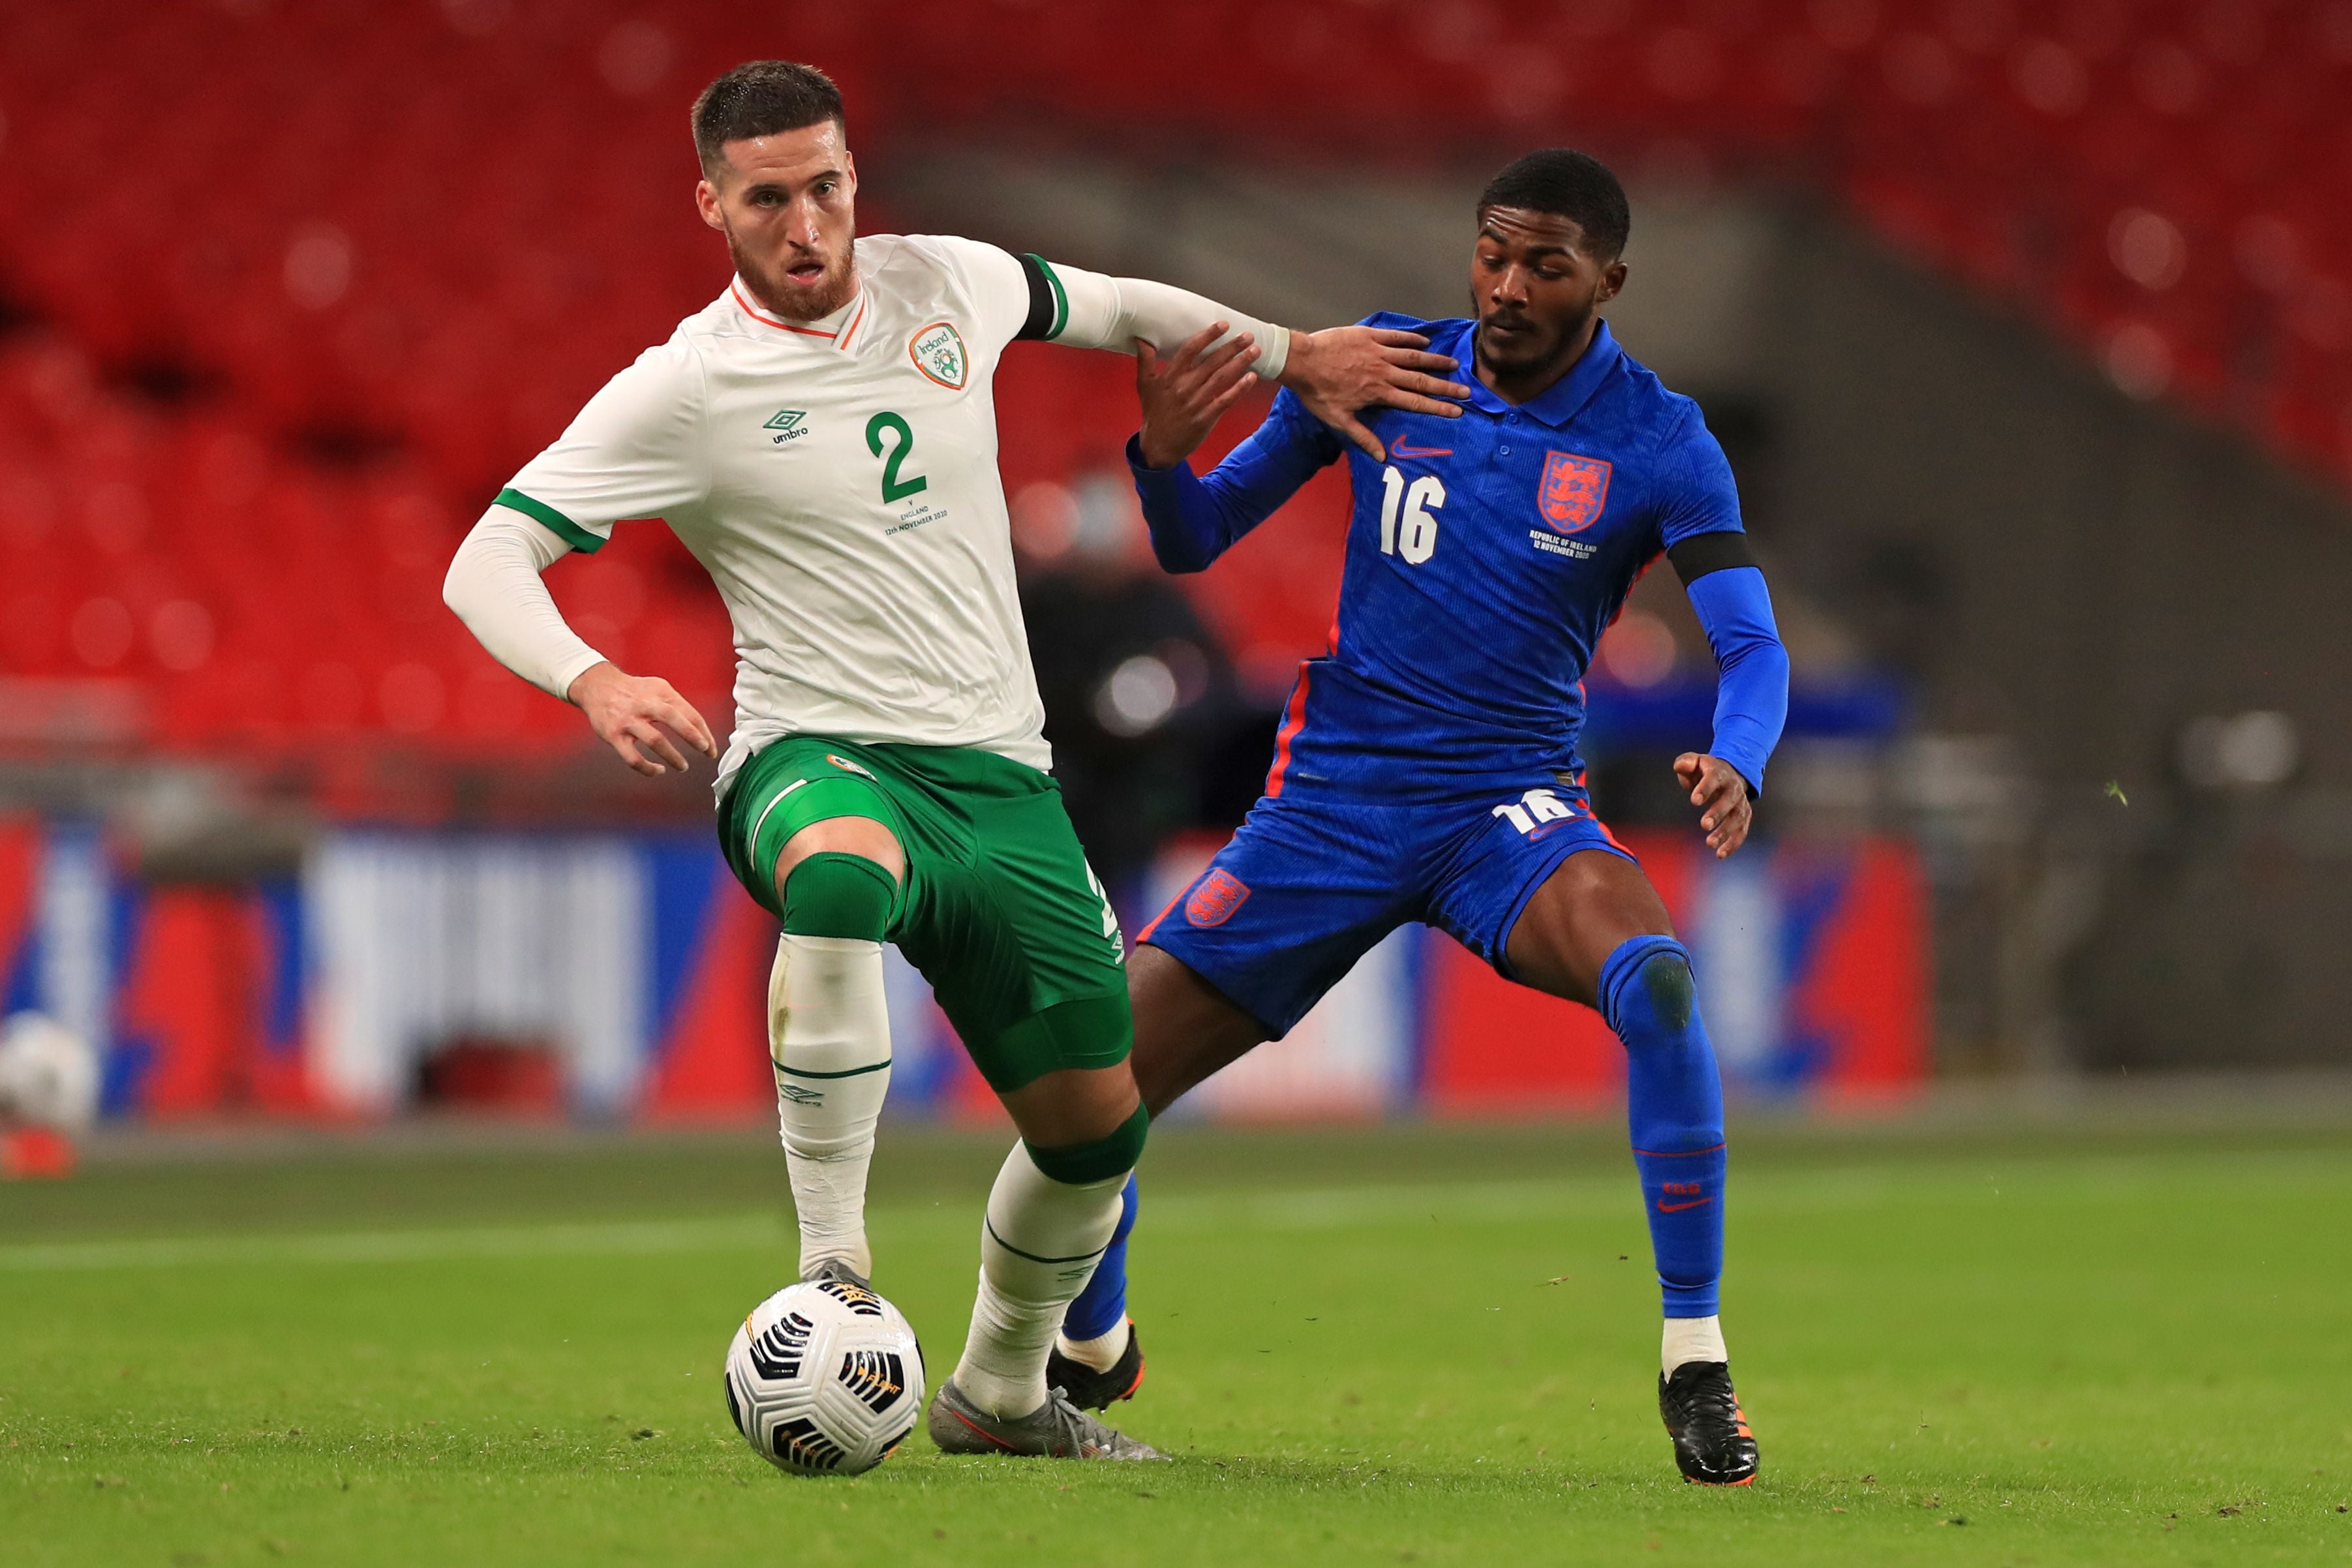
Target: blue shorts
pixel 1312 879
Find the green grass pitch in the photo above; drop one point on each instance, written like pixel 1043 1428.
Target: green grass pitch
pixel 1404 1345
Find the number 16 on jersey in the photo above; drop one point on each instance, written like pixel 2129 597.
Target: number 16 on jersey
pixel 1414 535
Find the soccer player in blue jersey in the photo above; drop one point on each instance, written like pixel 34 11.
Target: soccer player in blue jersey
pixel 1426 766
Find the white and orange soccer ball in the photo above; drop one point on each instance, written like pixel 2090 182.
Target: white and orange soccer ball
pixel 824 1378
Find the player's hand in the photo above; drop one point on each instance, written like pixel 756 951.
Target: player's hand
pixel 1721 796
pixel 642 717
pixel 1341 371
pixel 1185 396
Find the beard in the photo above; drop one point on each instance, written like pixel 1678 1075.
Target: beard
pixel 1528 351
pixel 788 296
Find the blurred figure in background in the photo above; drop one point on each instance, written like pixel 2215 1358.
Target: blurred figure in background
pixel 1138 693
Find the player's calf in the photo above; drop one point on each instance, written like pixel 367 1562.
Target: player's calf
pixel 1674 1113
pixel 1051 1215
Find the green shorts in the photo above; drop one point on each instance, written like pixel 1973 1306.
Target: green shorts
pixel 999 909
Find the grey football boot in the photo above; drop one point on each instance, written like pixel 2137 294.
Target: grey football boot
pixel 835 1269
pixel 1057 1429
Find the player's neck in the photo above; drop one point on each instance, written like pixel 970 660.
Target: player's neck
pixel 1526 386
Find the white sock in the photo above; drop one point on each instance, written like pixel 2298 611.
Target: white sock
pixel 1691 1338
pixel 1101 1353
pixel 1037 1248
pixel 829 1037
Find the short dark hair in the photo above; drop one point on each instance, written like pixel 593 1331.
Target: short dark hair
pixel 761 98
pixel 1575 185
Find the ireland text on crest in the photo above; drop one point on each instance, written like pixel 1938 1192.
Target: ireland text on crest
pixel 937 352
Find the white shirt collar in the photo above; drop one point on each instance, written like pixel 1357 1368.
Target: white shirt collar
pixel 840 327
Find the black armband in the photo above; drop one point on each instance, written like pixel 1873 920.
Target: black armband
pixel 1049 308
pixel 1703 553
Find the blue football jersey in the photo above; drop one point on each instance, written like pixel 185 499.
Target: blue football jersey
pixel 1484 559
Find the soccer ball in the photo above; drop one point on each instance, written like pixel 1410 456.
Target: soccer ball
pixel 824 1378
pixel 48 1075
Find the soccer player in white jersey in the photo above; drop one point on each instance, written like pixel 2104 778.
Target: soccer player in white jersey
pixel 822 437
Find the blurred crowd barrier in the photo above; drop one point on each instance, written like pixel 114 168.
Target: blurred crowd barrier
pixel 622 975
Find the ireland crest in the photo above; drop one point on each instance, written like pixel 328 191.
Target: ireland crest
pixel 937 351
pixel 1573 490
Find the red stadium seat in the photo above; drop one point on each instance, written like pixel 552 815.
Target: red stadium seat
pixel 360 236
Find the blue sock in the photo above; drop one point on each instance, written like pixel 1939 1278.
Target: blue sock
pixel 1101 1306
pixel 1673 1104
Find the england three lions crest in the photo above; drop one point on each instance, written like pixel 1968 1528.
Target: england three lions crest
pixel 1214 900
pixel 937 352
pixel 1573 491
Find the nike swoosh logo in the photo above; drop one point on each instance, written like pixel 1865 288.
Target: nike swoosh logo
pixel 1406 449
pixel 1678 1208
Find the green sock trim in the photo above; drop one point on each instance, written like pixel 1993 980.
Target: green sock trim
pixel 835 893
pixel 845 1072
pixel 1116 1154
pixel 1073 1258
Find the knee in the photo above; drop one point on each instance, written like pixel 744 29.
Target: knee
pixel 832 893
pixel 1107 1158
pixel 1674 994
pixel 1646 988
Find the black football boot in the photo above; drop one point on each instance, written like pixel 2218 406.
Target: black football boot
pixel 1713 1446
pixel 1092 1390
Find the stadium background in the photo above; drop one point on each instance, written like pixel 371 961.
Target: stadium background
pixel 2028 328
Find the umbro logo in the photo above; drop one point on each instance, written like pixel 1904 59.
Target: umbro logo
pixel 789 424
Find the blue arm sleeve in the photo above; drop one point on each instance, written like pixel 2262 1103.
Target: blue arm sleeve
pixel 1195 519
pixel 1698 526
pixel 1752 693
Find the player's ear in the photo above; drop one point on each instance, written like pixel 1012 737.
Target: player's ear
pixel 1612 279
pixel 706 202
pixel 849 169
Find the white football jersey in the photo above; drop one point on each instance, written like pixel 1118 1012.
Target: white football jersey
pixel 839 479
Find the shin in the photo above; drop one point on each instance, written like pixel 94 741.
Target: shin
pixel 1050 1216
pixel 829 1036
pixel 1674 1108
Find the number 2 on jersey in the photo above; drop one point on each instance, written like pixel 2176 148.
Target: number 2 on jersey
pixel 1416 539
pixel 894 488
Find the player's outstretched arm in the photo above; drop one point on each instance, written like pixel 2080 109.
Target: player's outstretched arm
pixel 1337 373
pixel 494 586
